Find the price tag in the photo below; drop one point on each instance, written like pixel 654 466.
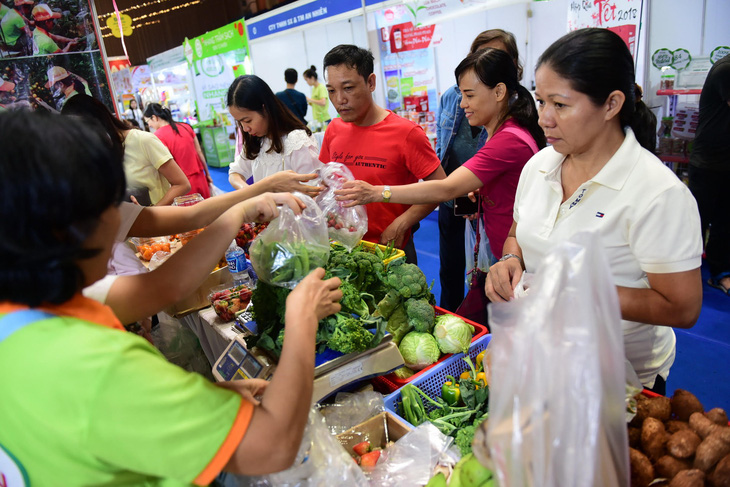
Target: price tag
pixel 661 58
pixel 681 59
pixel 719 53
pixel 346 373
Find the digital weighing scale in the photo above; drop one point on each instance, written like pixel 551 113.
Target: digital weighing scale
pixel 332 371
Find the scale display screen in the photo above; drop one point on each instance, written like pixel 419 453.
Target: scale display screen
pixel 237 363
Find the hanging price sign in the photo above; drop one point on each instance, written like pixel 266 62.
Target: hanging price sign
pixel 681 59
pixel 661 58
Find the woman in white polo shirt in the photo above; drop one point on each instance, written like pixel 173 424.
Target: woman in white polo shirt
pixel 596 177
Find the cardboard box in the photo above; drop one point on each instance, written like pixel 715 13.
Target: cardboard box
pixel 378 430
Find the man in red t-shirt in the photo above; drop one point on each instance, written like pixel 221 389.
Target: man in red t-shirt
pixel 377 145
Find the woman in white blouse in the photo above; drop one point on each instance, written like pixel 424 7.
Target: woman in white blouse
pixel 274 140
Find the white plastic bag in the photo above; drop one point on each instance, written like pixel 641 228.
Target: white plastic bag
pixel 410 462
pixel 557 409
pixel 345 225
pixel 291 246
pixel 321 461
pixel 486 258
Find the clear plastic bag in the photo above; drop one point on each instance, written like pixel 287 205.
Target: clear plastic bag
pixel 321 461
pixel 345 225
pixel 410 461
pixel 350 409
pixel 291 246
pixel 557 402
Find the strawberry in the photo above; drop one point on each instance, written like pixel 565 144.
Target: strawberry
pixel 361 448
pixel 368 460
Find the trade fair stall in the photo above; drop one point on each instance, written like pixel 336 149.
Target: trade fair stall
pixel 215 59
pixel 172 84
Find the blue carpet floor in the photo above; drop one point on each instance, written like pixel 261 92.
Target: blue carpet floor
pixel 703 352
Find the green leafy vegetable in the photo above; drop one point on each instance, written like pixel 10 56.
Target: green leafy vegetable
pixel 452 334
pixel 398 325
pixel 419 350
pixel 421 314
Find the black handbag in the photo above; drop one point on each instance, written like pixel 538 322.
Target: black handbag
pixel 474 305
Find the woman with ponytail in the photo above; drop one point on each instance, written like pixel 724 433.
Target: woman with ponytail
pixel 597 177
pixel 180 139
pixel 493 99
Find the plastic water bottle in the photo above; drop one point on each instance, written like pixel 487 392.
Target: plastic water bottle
pixel 238 265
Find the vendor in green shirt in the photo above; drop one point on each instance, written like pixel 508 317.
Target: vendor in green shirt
pixel 15 32
pixel 45 42
pixel 320 98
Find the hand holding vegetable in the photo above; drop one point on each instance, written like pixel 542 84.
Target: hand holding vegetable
pixel 359 193
pixel 314 296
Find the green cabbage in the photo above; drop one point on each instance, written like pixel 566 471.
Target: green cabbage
pixel 452 334
pixel 419 350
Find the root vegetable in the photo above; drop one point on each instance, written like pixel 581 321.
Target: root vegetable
pixel 659 408
pixel 717 416
pixel 721 476
pixel 668 466
pixel 653 438
pixel 684 403
pixel 688 478
pixel 710 451
pixel 642 473
pixel 704 427
pixel 674 425
pixel 683 444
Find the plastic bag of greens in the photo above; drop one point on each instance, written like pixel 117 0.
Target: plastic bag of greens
pixel 557 408
pixel 291 246
pixel 345 225
pixel 321 461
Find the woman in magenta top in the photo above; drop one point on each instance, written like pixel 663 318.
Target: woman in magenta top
pixel 493 98
pixel 180 139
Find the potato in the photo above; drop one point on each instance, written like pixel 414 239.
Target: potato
pixel 701 425
pixel 642 411
pixel 684 403
pixel 717 416
pixel 635 437
pixel 688 478
pixel 674 425
pixel 721 476
pixel 653 438
pixel 659 408
pixel 642 473
pixel 668 466
pixel 683 444
pixel 710 451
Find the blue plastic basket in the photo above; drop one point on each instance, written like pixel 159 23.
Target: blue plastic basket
pixel 431 382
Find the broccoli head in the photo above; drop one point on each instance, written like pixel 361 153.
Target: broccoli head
pixel 364 268
pixel 349 335
pixel 398 324
pixel 421 314
pixel 352 300
pixel 407 279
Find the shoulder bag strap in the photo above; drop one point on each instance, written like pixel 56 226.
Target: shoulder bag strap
pixel 524 136
pixel 16 320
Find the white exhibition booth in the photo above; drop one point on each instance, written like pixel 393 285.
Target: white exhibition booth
pixel 698 26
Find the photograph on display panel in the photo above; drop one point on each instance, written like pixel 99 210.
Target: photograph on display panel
pixel 38 28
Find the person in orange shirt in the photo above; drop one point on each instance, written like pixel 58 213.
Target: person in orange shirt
pixel 74 406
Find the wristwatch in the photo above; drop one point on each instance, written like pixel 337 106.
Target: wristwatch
pixel 386 194
pixel 510 256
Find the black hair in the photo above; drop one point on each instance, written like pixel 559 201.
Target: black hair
pixel 311 72
pixel 161 112
pixel 597 62
pixel 506 38
pixel 351 56
pixel 56 178
pixel 290 75
pixel 252 93
pixel 83 105
pixel 494 66
pixel 645 126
